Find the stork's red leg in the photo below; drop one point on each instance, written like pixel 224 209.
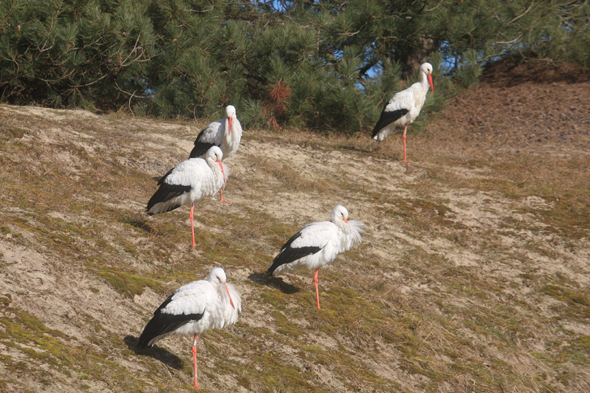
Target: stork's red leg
pixel 405 129
pixel 222 200
pixel 192 224
pixel 196 386
pixel 317 292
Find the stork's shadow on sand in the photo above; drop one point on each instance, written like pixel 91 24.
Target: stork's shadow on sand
pixel 161 354
pixel 271 281
pixel 139 221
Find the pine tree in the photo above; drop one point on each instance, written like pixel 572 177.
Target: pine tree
pixel 63 53
pixel 325 65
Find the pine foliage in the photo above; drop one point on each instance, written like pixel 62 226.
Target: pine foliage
pixel 62 53
pixel 326 65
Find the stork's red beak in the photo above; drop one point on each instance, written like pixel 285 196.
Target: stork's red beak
pixel 430 81
pixel 229 296
pixel 346 221
pixel 222 171
pixel 229 125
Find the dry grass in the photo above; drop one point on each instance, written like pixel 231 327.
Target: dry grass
pixel 473 275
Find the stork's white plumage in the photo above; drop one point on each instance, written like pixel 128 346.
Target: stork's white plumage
pixel 404 107
pixel 225 134
pixel 188 182
pixel 194 308
pixel 318 244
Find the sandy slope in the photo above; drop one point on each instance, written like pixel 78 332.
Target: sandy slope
pixel 464 284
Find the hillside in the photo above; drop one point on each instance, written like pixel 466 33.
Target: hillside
pixel 474 273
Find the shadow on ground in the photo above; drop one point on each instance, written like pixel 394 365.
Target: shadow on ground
pixel 275 282
pixel 139 221
pixel 161 354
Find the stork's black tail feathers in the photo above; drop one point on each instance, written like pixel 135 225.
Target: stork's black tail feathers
pixel 163 323
pixel 388 118
pixel 165 193
pixel 290 254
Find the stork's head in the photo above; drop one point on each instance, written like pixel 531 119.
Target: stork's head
pixel 214 153
pixel 230 111
pixel 426 68
pixel 339 214
pixel 217 277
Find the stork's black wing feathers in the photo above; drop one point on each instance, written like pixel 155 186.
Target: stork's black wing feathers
pixel 163 323
pixel 165 193
pixel 289 254
pixel 200 147
pixel 388 118
pixel 163 178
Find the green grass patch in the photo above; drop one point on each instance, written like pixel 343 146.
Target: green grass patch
pixel 39 344
pixel 129 284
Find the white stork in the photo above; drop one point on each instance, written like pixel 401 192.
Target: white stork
pixel 318 244
pixel 194 308
pixel 225 133
pixel 404 107
pixel 188 182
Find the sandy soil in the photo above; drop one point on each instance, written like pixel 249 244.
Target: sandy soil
pixel 450 248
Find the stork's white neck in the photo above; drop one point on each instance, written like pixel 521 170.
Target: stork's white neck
pixel 424 81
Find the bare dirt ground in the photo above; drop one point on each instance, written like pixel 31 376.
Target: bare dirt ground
pixel 473 275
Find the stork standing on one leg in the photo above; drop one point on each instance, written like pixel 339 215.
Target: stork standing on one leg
pixel 188 182
pixel 194 308
pixel 404 107
pixel 225 134
pixel 318 245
